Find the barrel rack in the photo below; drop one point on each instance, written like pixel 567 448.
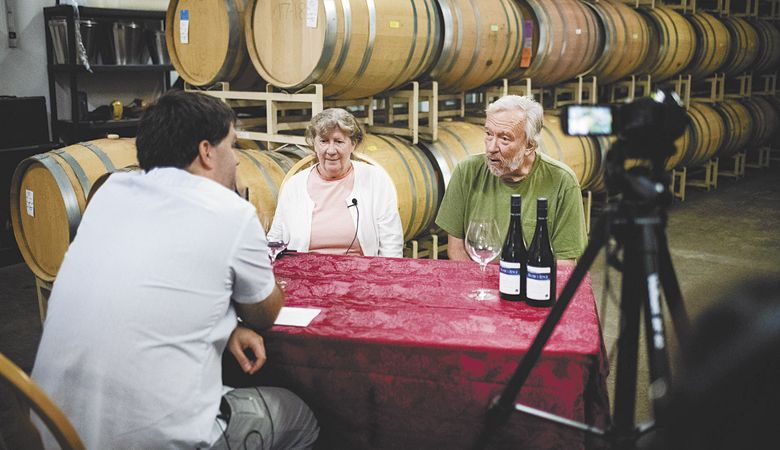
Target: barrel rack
pixel 398 113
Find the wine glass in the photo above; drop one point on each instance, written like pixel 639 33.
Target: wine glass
pixel 483 244
pixel 275 247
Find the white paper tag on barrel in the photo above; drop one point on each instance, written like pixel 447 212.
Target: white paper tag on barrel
pixel 30 202
pixel 184 26
pixel 311 13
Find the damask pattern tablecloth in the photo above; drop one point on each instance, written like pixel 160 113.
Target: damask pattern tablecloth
pixel 401 358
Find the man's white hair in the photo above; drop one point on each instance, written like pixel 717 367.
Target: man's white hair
pixel 534 113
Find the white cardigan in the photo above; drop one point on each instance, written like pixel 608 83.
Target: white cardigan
pixel 380 232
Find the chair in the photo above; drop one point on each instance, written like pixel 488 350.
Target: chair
pixel 29 392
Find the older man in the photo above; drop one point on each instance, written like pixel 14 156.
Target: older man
pixel 481 185
pixel 148 296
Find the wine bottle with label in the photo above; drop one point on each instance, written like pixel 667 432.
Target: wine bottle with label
pixel 511 284
pixel 540 270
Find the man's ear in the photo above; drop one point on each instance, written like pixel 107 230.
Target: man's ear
pixel 206 154
pixel 531 146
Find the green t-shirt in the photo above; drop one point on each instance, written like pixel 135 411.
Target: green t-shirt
pixel 474 191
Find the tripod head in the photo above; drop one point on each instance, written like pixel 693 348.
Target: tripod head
pixel 646 131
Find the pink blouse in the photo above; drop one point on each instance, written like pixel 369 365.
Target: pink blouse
pixel 332 228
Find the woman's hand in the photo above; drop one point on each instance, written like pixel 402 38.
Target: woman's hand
pixel 243 339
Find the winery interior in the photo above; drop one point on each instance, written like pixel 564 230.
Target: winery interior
pixel 418 76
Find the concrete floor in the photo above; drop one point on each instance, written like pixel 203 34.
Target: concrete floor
pixel 717 239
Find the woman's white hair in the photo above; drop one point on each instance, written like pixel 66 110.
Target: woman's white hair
pixel 534 113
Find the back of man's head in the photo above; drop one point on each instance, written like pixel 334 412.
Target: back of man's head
pixel 171 129
pixel 728 393
pixel 527 108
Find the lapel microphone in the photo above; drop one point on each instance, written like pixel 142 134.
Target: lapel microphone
pixel 357 223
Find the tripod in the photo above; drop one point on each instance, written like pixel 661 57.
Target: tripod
pixel 637 223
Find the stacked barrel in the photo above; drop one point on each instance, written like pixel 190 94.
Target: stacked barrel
pixel 361 48
pixel 358 48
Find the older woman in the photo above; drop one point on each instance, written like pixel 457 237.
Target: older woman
pixel 339 205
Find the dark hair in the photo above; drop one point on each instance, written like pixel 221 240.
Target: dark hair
pixel 728 393
pixel 171 129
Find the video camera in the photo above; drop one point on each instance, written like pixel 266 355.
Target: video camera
pixel 648 125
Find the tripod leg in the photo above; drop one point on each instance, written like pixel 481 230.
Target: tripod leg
pixel 500 409
pixel 671 287
pixel 623 429
pixel 655 333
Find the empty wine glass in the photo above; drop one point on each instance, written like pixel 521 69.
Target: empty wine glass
pixel 483 244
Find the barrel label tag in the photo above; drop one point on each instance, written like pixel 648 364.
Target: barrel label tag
pixel 184 26
pixel 528 41
pixel 30 202
pixel 312 9
pixel 493 27
pixel 395 24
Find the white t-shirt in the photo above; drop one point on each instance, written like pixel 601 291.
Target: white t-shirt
pixel 141 309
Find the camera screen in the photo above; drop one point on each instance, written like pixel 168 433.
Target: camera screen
pixel 588 120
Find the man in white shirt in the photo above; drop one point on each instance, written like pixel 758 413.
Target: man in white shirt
pixel 148 296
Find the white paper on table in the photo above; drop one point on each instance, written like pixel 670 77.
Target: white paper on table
pixel 296 317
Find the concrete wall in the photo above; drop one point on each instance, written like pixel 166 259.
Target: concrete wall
pixel 23 69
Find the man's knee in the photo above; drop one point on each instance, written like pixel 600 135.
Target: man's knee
pixel 294 423
pixel 276 417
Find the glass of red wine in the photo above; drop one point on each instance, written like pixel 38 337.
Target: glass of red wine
pixel 275 247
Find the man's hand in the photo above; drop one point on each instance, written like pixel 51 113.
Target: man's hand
pixel 243 339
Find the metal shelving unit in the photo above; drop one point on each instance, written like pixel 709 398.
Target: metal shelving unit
pixel 76 128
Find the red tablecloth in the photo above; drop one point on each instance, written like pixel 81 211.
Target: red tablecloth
pixel 400 358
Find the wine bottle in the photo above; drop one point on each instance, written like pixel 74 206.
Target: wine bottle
pixel 540 278
pixel 511 284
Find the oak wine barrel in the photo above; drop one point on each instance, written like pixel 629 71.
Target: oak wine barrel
pixel 354 48
pixel 249 144
pixel 672 43
pixel 701 140
pixel 562 40
pixel 599 183
pixel 457 141
pixel 205 41
pixel 765 120
pixel 262 175
pixel 712 45
pixel 49 193
pixel 582 154
pixel 103 178
pixel 775 101
pixel 739 126
pixel 626 41
pixel 295 152
pixel 744 45
pixel 768 56
pixel 481 42
pixel 414 178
